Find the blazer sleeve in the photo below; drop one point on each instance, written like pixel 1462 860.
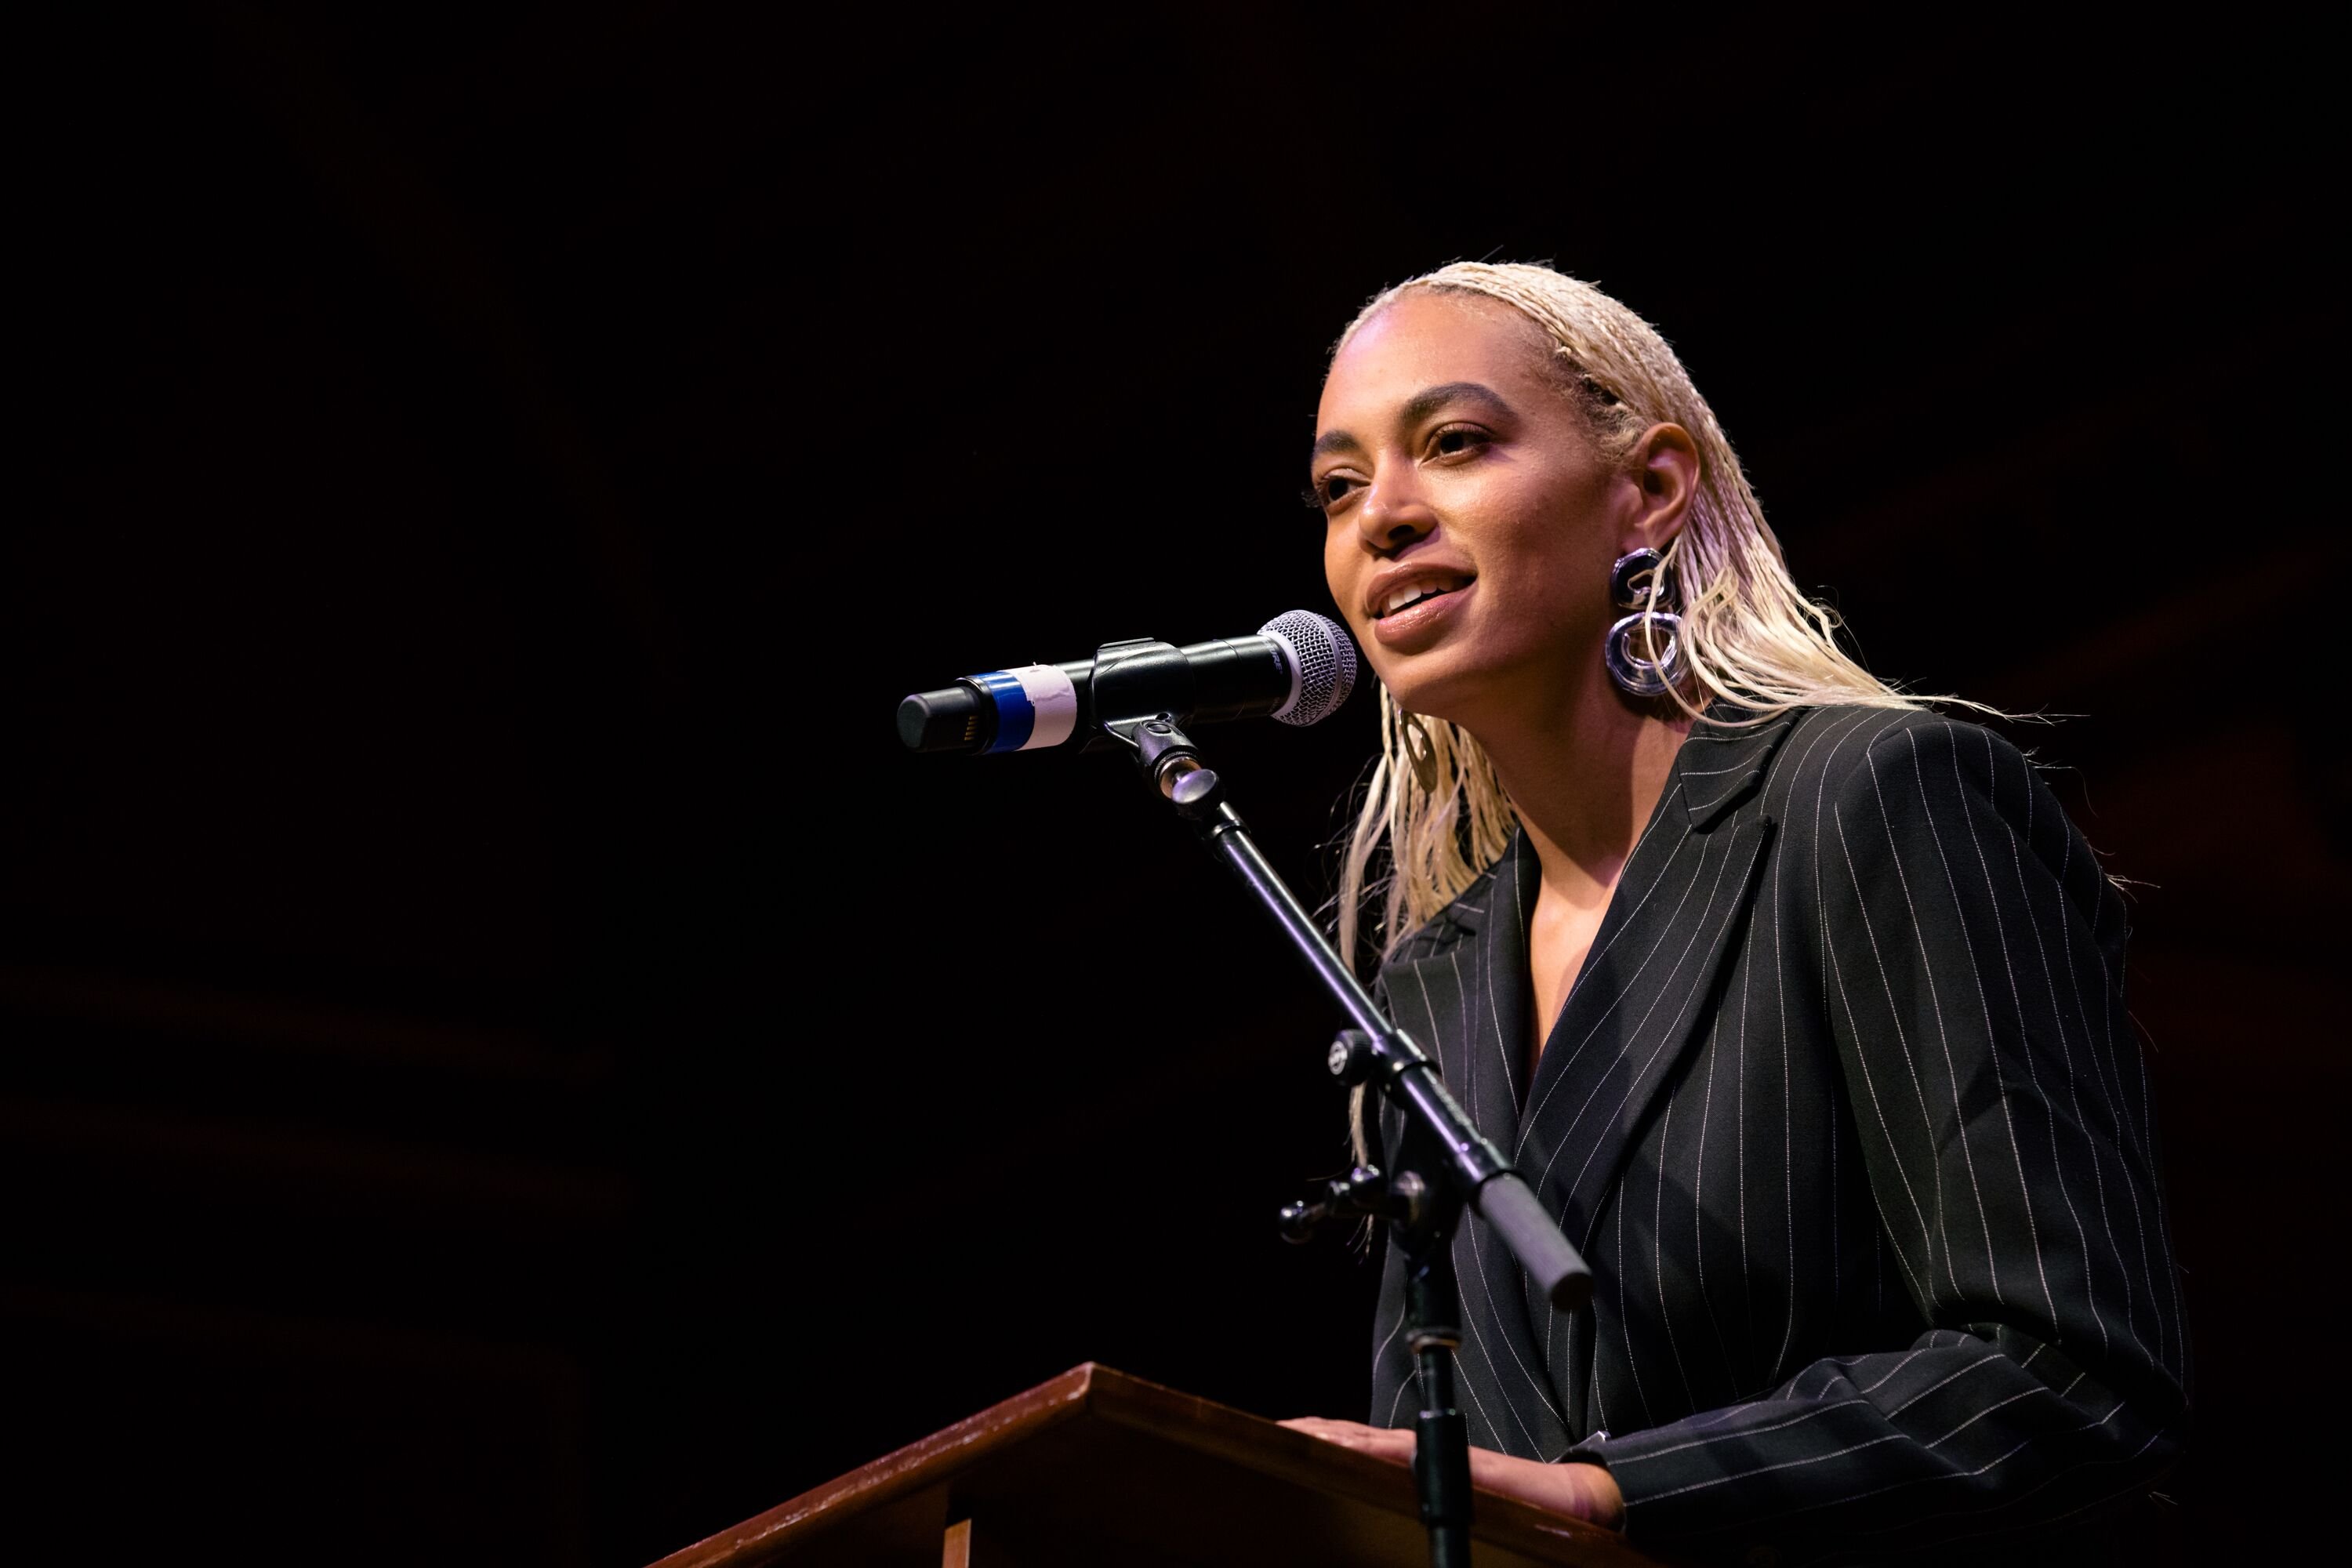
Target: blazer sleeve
pixel 1969 957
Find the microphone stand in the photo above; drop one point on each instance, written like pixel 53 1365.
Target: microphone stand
pixel 1449 1164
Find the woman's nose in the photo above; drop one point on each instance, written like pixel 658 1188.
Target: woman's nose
pixel 1392 519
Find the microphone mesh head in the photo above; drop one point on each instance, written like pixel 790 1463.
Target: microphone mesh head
pixel 1322 665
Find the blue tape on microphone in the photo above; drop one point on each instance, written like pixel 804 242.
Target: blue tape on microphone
pixel 1036 706
pixel 1015 716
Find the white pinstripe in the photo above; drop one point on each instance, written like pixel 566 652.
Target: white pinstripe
pixel 1658 1265
pixel 1788 1131
pixel 1625 1322
pixel 1992 1358
pixel 2066 1053
pixel 1797 1420
pixel 1698 1186
pixel 2090 1281
pixel 1988 1410
pixel 1470 1313
pixel 2103 1063
pixel 1870 1083
pixel 1788 1118
pixel 1821 787
pixel 2018 1001
pixel 1494 1012
pixel 1600 1403
pixel 1943 1037
pixel 1768 1469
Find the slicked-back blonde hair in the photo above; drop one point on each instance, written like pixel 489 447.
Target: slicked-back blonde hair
pixel 1750 638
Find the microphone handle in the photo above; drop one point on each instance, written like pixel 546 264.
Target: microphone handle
pixel 965 717
pixel 1036 707
pixel 1237 678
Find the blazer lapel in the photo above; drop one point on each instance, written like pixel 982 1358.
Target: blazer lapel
pixel 1464 1005
pixel 1645 988
pixel 1468 1005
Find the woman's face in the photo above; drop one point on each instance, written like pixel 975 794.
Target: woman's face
pixel 1470 524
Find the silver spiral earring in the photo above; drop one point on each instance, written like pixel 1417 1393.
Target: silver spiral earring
pixel 1638 583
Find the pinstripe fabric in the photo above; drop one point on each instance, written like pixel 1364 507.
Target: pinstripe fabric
pixel 1847 1115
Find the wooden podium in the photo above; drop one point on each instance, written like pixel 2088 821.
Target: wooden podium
pixel 1098 1468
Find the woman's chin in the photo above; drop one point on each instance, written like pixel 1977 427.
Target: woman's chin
pixel 1477 685
pixel 1433 686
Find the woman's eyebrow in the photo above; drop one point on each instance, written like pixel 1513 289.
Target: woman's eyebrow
pixel 1422 404
pixel 1417 408
pixel 1333 441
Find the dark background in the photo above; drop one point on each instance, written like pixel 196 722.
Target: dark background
pixel 505 1059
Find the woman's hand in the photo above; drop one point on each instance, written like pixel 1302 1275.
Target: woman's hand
pixel 1580 1491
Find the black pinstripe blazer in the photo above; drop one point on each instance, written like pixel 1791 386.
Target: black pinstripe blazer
pixel 1846 1113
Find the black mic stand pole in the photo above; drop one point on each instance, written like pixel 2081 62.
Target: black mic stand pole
pixel 1422 1205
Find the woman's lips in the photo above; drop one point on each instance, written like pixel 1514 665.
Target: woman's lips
pixel 1423 622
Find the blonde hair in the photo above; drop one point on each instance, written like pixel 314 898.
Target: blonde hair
pixel 1749 635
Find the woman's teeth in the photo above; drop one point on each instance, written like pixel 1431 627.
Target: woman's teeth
pixel 1405 597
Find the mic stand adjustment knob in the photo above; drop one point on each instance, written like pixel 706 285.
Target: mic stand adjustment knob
pixel 1353 1059
pixel 1362 1193
pixel 1164 755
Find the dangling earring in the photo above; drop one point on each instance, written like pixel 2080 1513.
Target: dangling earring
pixel 1638 583
pixel 1422 750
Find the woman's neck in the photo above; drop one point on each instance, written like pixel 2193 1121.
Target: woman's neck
pixel 1584 769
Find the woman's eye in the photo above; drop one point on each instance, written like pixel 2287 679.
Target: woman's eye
pixel 1330 491
pixel 1458 439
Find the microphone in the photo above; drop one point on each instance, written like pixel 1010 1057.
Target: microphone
pixel 1298 668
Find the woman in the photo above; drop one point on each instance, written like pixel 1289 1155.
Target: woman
pixel 1800 1003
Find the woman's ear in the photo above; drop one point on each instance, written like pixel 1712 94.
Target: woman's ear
pixel 1666 467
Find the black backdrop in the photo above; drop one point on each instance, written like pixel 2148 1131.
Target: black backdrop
pixel 505 1059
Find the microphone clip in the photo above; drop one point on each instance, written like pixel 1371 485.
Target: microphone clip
pixel 1139 688
pixel 1136 682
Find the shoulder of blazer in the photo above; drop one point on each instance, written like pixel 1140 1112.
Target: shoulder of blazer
pixel 1834 752
pixel 1928 778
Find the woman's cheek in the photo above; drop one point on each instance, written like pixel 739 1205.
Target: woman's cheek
pixel 1338 577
